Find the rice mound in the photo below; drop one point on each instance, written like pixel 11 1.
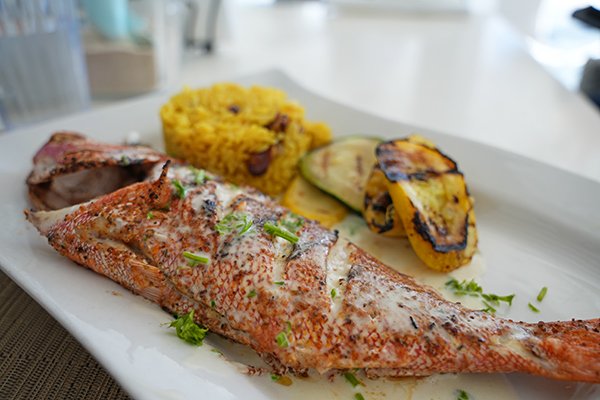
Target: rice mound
pixel 253 136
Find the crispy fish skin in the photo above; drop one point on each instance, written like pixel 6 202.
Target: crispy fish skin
pixel 379 320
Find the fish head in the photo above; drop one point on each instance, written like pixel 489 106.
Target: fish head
pixel 72 169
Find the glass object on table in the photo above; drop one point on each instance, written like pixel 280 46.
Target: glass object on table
pixel 42 71
pixel 131 46
pixel 201 24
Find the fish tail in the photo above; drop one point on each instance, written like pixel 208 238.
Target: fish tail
pixel 570 349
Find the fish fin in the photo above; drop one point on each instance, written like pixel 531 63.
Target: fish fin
pixel 150 281
pixel 152 293
pixel 160 189
pixel 126 267
pixel 153 285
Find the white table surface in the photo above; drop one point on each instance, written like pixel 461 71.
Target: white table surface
pixel 468 75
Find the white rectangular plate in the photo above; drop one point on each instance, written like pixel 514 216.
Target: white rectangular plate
pixel 539 226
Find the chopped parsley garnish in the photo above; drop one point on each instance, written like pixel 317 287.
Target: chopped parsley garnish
pixel 234 222
pixel 195 258
pixel 213 304
pixel 472 288
pixel 542 294
pixel 275 377
pixel 179 188
pixel 333 293
pixel 188 330
pixel 495 299
pixel 125 161
pixel 358 396
pixel 251 294
pixel 292 222
pixel 283 233
pixel 199 175
pixel 282 340
pixel 352 379
pixel 533 308
pixel 150 215
pixel 279 283
pixel 488 308
pixel 462 288
pixel 462 395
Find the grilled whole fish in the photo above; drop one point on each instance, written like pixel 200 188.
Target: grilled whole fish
pixel 274 295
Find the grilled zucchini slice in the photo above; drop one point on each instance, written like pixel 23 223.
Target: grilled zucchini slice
pixel 305 199
pixel 431 198
pixel 342 168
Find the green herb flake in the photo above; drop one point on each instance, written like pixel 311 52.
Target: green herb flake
pixel 472 288
pixel 282 340
pixel 150 215
pixel 213 304
pixel 279 283
pixel 251 294
pixel 239 223
pixel 275 377
pixel 188 330
pixel 359 396
pixel 353 380
pixel 275 230
pixel 462 395
pixel 292 222
pixel 179 188
pixel 533 308
pixel 219 352
pixel 333 293
pixel 195 258
pixel 125 161
pixel 542 294
pixel 488 308
pixel 495 299
pixel 199 175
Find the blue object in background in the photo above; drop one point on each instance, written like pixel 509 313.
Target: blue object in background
pixel 109 17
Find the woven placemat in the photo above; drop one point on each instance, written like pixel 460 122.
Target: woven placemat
pixel 39 359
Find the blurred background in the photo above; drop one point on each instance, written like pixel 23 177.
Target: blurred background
pixel 63 56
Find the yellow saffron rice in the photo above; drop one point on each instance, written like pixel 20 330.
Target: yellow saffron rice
pixel 253 136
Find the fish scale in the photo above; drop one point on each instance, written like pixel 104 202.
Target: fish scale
pixel 380 320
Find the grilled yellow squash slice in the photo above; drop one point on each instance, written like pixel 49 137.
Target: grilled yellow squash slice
pixel 309 201
pixel 379 211
pixel 430 195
